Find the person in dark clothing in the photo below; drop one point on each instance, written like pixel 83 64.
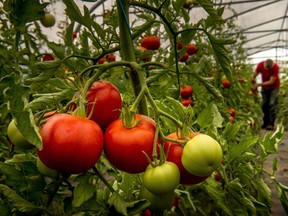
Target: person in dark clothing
pixel 270 89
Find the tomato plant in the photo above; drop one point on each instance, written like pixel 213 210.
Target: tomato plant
pixel 125 147
pixel 64 149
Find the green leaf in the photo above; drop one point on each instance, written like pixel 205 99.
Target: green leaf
pixel 84 189
pixel 23 116
pixel 209 8
pixel 237 149
pixel 216 192
pixel 272 141
pixel 232 130
pixel 264 192
pixel 283 197
pixel 18 202
pixel 74 13
pixel 210 116
pixel 127 208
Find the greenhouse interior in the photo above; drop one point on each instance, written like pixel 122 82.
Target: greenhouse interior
pixel 144 107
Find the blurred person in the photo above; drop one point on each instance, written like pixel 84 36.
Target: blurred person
pixel 270 90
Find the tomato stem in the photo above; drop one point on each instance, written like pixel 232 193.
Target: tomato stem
pixel 99 175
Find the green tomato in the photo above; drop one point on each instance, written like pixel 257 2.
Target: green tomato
pixel 201 155
pixel 161 179
pixel 17 138
pixel 157 202
pixel 44 170
pixel 48 20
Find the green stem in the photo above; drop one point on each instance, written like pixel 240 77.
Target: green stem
pixel 98 174
pixel 127 50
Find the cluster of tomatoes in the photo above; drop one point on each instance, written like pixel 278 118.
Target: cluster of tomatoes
pixel 190 49
pixel 186 93
pixel 232 113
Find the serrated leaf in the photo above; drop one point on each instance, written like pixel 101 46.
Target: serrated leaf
pixel 75 14
pixel 264 192
pixel 84 190
pixel 282 197
pixel 217 194
pixel 210 116
pixel 231 130
pixel 272 141
pixel 237 149
pixel 18 202
pixel 127 208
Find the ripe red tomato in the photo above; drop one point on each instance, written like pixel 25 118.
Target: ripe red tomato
pixel 111 57
pixel 232 111
pixel 184 58
pixel 231 119
pixel 48 57
pixel 225 83
pixel 124 147
pixel 102 60
pixel 179 45
pixel 105 101
pixel 74 35
pixel 186 91
pixel 70 144
pixel 151 42
pixel 191 49
pixel 187 102
pixel 175 154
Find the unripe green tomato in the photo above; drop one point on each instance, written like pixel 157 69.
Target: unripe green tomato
pixel 157 202
pixel 17 138
pixel 201 155
pixel 162 179
pixel 48 20
pixel 44 170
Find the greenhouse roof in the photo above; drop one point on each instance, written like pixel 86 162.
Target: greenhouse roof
pixel 264 24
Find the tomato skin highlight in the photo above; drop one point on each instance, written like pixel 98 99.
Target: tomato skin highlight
pixel 124 147
pixel 151 42
pixel 70 144
pixel 105 101
pixel 161 179
pixel 175 154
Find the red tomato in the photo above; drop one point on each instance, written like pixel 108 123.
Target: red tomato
pixel 184 58
pixel 187 102
pixel 174 155
pixel 48 57
pixel 105 101
pixel 191 49
pixel 124 147
pixel 70 144
pixel 231 119
pixel 186 92
pixel 151 42
pixel 74 35
pixel 232 111
pixel 179 45
pixel 225 83
pixel 111 57
pixel 102 60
